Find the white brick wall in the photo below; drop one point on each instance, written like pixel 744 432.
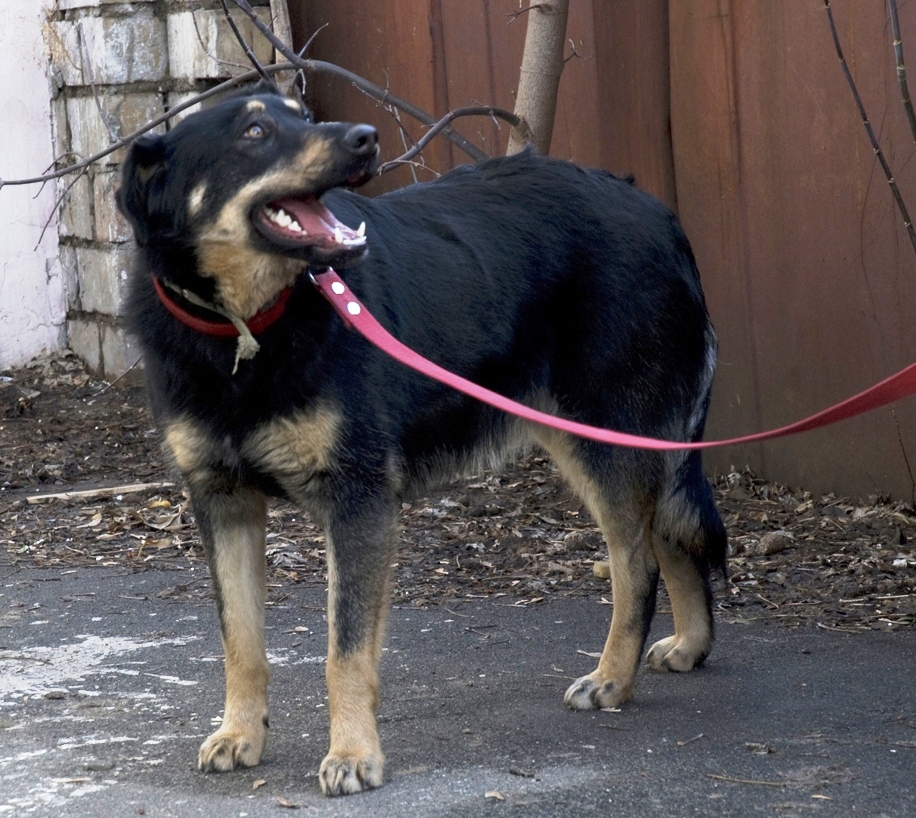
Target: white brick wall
pixel 143 56
pixel 215 52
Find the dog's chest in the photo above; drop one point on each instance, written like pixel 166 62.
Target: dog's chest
pixel 288 450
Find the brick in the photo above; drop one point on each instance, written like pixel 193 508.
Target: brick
pixel 119 351
pixel 214 52
pixel 76 208
pixel 126 112
pixel 177 98
pixel 110 225
pixel 119 50
pixel 66 5
pixel 102 274
pixel 83 338
pixel 60 133
pixel 64 44
pixel 70 275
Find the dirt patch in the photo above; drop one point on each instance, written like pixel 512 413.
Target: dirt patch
pixel 803 560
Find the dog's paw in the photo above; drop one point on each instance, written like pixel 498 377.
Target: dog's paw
pixel 346 774
pixel 592 692
pixel 676 654
pixel 227 749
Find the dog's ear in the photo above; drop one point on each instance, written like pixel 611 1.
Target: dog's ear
pixel 294 92
pixel 142 177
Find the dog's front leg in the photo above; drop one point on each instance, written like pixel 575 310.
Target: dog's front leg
pixel 360 549
pixel 232 526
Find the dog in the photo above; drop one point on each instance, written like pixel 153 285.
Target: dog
pixel 564 288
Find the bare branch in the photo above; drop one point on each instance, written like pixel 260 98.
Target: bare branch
pixel 203 44
pixel 901 67
pixel 382 96
pixel 245 46
pixel 87 67
pixel 868 128
pixel 234 82
pixel 451 116
pixel 514 15
pixel 364 85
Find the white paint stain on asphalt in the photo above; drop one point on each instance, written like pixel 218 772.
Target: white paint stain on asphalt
pixel 38 670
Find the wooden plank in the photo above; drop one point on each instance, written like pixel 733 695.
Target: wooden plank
pixel 633 93
pixel 91 494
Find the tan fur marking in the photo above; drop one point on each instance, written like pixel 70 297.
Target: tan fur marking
pixel 239 523
pixel 355 760
pixel 692 632
pixel 628 533
pixel 196 198
pixel 247 279
pixel 295 447
pixel 190 446
pixel 254 106
pixel 291 103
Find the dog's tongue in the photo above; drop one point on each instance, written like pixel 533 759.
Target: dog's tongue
pixel 317 224
pixel 313 217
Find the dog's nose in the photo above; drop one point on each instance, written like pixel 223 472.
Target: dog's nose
pixel 361 140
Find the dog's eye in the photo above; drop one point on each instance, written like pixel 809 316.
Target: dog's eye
pixel 256 131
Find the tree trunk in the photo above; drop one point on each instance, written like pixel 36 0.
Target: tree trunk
pixel 542 64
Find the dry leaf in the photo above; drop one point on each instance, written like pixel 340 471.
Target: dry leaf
pixel 496 795
pixel 284 803
pixel 258 784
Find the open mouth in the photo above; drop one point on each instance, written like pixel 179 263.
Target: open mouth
pixel 306 223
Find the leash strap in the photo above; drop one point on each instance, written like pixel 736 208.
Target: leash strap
pixel 357 316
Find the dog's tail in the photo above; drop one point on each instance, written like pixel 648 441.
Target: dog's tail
pixel 686 514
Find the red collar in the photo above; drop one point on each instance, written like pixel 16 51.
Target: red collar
pixel 223 328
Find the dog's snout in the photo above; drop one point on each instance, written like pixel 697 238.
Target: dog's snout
pixel 361 140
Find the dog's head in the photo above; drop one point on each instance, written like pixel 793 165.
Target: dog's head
pixel 238 188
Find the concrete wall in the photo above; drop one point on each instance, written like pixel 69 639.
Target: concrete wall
pixel 32 301
pixel 113 67
pixel 143 58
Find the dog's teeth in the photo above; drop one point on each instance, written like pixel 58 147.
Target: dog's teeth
pixel 283 219
pixel 294 225
pixel 338 235
pixel 361 230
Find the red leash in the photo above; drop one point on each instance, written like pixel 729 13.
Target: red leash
pixel 356 315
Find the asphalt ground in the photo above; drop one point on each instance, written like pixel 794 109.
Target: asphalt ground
pixel 110 680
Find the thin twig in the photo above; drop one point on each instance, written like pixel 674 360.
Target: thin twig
pixel 451 116
pixel 203 44
pixel 126 372
pixel 364 85
pixel 868 128
pixel 901 67
pixel 745 780
pixel 87 67
pixel 57 204
pixel 233 82
pixel 245 46
pixel 906 460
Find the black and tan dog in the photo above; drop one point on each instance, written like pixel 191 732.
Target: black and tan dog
pixel 564 288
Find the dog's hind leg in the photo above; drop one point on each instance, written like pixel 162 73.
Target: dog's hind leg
pixel 360 550
pixel 232 524
pixel 690 540
pixel 624 510
pixel 687 582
